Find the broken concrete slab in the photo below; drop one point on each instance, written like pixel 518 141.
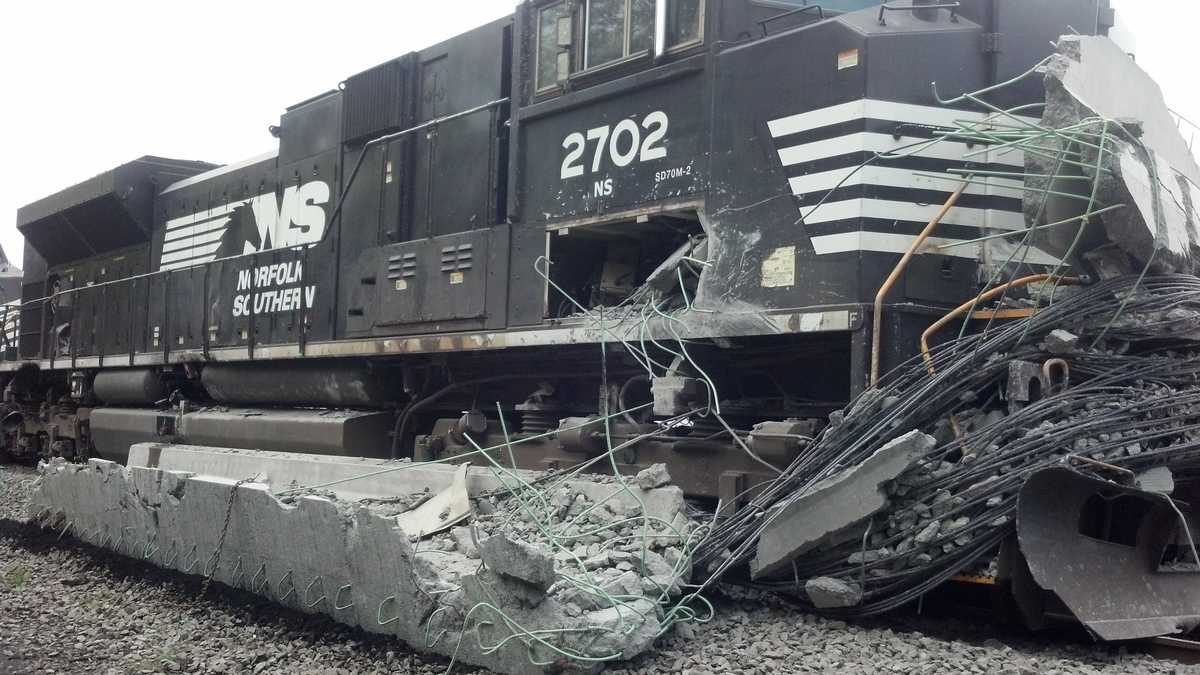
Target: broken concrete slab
pixel 834 505
pixel 1158 226
pixel 355 478
pixel 319 554
pixel 1146 166
pixel 1099 75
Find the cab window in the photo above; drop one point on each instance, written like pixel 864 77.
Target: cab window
pixel 617 29
pixel 683 22
pixel 550 47
pixel 576 36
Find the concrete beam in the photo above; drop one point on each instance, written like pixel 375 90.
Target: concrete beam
pixel 322 555
pixel 369 478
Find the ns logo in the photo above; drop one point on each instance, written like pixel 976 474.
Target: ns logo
pixel 265 221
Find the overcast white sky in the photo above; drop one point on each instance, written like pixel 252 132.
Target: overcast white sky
pixel 90 85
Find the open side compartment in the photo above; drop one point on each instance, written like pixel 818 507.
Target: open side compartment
pixel 616 263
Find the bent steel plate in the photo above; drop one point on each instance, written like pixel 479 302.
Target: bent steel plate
pixel 1115 589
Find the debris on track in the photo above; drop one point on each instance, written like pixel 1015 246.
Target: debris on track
pixel 1132 404
pixel 82 609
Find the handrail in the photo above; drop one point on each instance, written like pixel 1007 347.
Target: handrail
pixel 791 12
pixel 984 297
pixel 952 6
pixel 10 322
pixel 397 134
pixel 877 317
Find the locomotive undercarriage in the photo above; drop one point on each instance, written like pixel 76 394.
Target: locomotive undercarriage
pixel 39 422
pixel 560 403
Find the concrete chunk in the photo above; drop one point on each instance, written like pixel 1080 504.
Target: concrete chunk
pixel 828 593
pixel 1061 341
pixel 653 476
pixel 1158 479
pixel 834 505
pixel 464 542
pixel 929 533
pixel 518 560
pixel 616 638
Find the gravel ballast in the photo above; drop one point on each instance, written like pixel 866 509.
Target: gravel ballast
pixel 69 608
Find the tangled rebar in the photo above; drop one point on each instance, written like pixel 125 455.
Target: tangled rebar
pixel 1133 402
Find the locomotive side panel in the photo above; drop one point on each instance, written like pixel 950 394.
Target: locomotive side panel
pixel 454 172
pixel 440 263
pixel 269 210
pixel 104 313
pixel 636 141
pixel 790 72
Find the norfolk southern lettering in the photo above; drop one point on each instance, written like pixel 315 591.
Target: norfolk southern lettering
pixel 272 288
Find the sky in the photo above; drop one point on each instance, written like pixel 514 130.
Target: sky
pixel 91 85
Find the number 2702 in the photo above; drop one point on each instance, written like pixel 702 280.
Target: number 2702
pixel 623 144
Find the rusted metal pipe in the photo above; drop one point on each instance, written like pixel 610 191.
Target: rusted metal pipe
pixel 877 322
pixel 983 297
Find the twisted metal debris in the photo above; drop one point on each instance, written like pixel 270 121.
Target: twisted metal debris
pixel 1133 402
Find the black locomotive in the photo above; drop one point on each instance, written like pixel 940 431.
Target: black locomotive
pixel 441 243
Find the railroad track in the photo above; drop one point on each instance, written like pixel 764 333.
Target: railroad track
pixel 1176 649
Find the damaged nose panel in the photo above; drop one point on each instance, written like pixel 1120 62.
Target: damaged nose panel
pixel 1111 553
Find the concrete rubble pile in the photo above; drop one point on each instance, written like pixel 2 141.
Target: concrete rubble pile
pixel 565 578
